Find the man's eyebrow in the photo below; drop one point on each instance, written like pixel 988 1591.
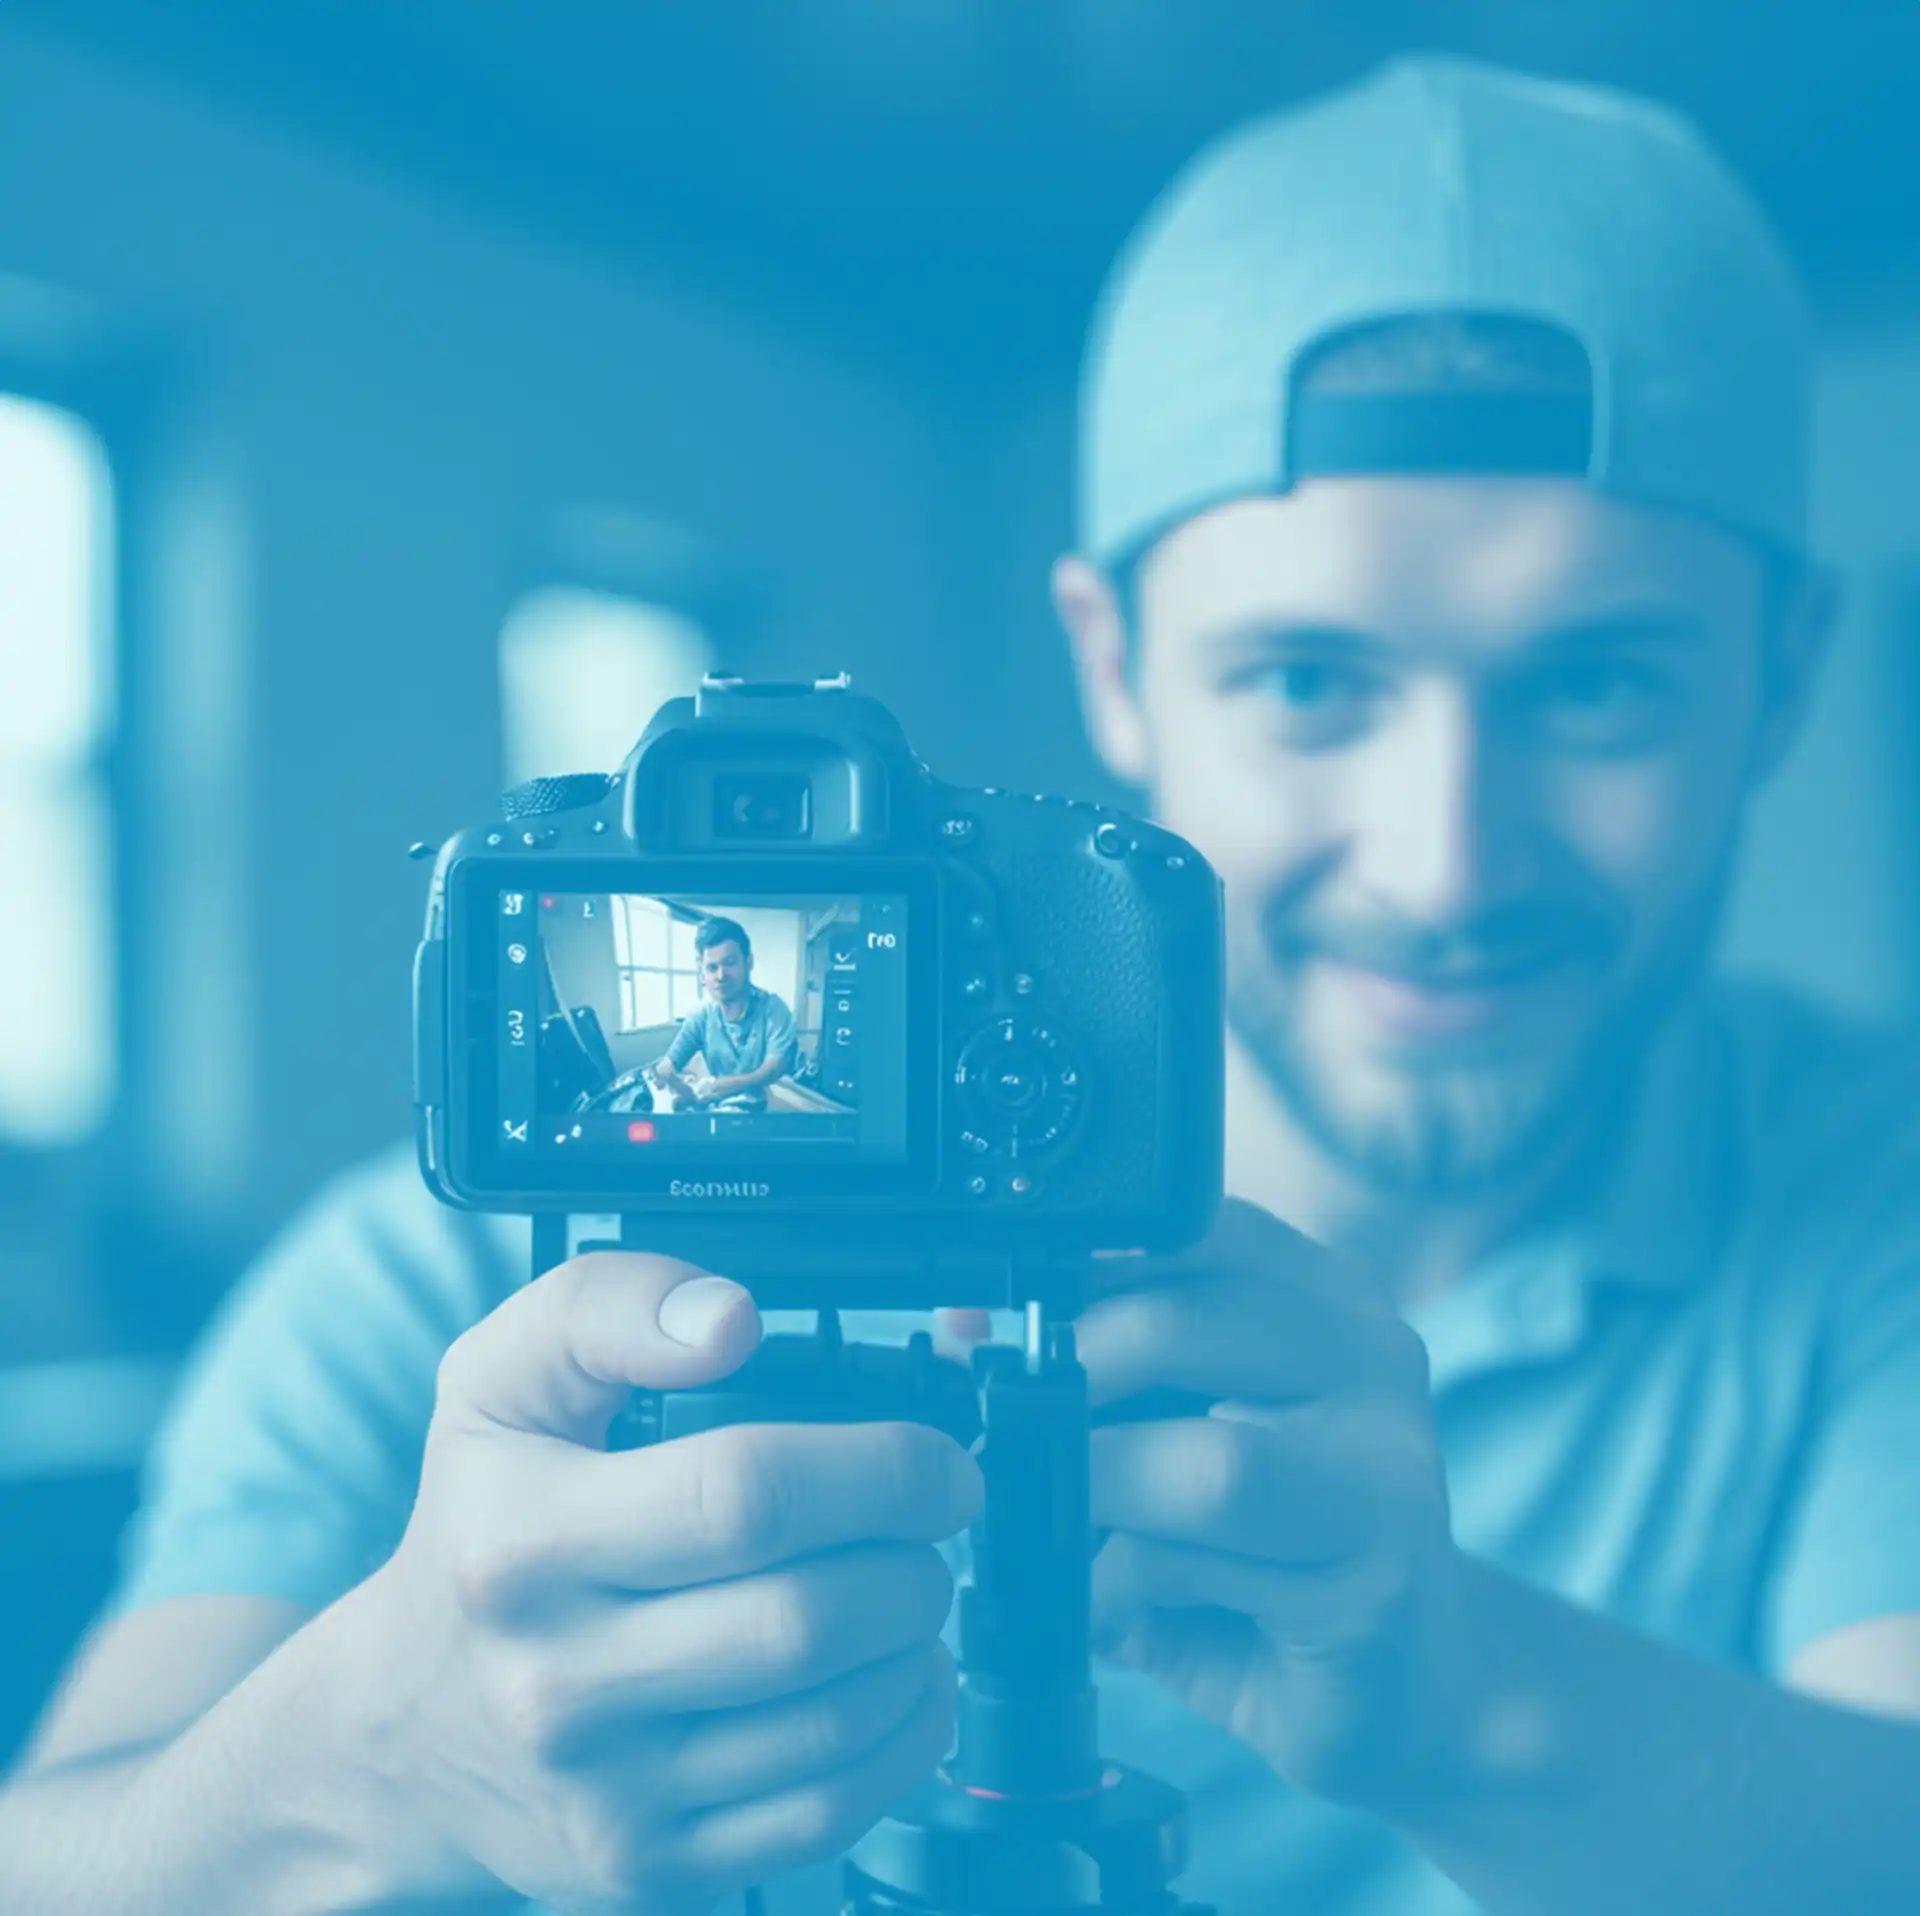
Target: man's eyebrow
pixel 1614 631
pixel 1249 638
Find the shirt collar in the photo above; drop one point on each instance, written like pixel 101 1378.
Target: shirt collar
pixel 1652 1216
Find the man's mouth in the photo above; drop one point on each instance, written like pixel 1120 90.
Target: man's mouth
pixel 1429 1007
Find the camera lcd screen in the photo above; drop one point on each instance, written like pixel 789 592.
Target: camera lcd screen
pixel 706 1030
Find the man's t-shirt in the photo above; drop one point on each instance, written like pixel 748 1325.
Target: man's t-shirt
pixel 736 1047
pixel 1694 1406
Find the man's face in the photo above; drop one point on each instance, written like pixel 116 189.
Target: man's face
pixel 1470 756
pixel 723 971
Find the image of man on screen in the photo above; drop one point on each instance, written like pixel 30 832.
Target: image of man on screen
pixel 742 1034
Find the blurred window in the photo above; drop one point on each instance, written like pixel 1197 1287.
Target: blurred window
pixel 581 673
pixel 58 1013
pixel 659 968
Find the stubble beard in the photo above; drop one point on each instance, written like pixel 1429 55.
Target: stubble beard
pixel 1478 1126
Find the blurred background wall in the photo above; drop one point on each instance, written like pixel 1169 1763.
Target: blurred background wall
pixel 433 347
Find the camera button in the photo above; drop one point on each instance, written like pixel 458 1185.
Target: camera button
pixel 1023 984
pixel 978 1186
pixel 1020 1186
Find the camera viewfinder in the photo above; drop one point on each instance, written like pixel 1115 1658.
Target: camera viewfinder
pixel 763 805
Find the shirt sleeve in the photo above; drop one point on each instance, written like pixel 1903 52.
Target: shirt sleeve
pixel 1850 1544
pixel 287 1462
pixel 687 1040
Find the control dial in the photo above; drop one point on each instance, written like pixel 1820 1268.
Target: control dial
pixel 1020 1084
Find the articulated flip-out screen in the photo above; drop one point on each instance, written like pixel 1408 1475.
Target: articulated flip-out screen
pixel 708 1030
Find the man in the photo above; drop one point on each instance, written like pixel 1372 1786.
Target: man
pixel 1554 1540
pixel 744 1034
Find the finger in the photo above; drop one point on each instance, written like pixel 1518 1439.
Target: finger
pixel 729 1502
pixel 564 1523
pixel 1255 1335
pixel 559 1356
pixel 750 1640
pixel 1273 1490
pixel 1135 1577
pixel 750 1842
pixel 737 1755
pixel 1245 1237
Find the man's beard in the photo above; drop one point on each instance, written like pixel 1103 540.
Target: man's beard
pixel 1466 1125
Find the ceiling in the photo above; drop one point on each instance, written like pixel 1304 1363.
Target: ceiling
pixel 939 183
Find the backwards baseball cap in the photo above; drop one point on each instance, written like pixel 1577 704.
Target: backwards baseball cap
pixel 1444 187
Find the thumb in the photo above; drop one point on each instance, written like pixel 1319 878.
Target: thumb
pixel 559 1356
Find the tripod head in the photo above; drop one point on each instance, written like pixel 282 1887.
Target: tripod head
pixel 1025 1815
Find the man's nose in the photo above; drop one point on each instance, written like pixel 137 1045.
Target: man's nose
pixel 1442 827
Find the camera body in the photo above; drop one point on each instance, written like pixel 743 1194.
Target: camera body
pixel 780 1000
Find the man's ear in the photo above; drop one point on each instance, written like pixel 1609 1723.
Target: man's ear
pixel 1090 617
pixel 1796 649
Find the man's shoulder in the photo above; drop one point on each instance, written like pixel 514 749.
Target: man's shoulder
pixel 1804 1068
pixel 1826 1110
pixel 374 1231
pixel 289 1455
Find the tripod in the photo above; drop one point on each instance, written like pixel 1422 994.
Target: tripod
pixel 1025 1816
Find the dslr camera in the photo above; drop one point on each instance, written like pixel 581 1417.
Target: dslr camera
pixel 779 1000
pixel 775 999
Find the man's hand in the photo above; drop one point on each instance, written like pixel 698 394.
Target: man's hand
pixel 636 1681
pixel 1283 1565
pixel 681 1092
pixel 708 1090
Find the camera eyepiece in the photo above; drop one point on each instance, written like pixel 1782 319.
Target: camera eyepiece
pixel 763 805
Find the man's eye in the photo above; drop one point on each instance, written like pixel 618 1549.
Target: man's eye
pixel 1313 702
pixel 1597 685
pixel 1604 703
pixel 1307 683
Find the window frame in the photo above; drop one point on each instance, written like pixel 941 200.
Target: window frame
pixel 631 971
pixel 115 401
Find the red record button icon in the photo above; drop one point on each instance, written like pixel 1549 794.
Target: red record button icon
pixel 640 1132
